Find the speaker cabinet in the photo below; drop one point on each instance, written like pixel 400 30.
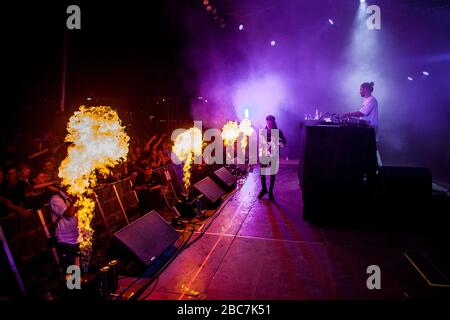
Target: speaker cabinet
pixel 145 239
pixel 225 179
pixel 210 190
pixel 403 193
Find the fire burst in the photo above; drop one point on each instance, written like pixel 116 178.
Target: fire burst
pixel 246 129
pixel 186 146
pixel 99 142
pixel 230 133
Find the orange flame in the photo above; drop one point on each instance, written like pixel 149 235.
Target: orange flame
pixel 99 142
pixel 230 133
pixel 186 146
pixel 246 129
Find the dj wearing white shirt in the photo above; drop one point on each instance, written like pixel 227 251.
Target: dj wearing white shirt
pixel 369 109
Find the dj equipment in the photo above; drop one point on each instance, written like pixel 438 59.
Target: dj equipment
pixel 336 120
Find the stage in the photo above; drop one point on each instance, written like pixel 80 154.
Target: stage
pixel 263 250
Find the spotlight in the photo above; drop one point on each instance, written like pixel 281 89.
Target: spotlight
pixel 426 73
pixel 330 21
pixel 272 43
pixel 200 98
pixel 241 27
pixel 246 113
pixel 410 79
pixel 209 8
pixel 362 1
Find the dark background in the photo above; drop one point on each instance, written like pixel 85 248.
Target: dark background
pixel 133 54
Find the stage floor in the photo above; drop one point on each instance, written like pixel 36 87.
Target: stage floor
pixel 261 249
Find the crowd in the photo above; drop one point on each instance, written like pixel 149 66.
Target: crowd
pixel 29 167
pixel 29 180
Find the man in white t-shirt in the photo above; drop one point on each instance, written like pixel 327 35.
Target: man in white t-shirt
pixel 369 109
pixel 64 216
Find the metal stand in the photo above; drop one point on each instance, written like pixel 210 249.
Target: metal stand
pixel 102 213
pixel 120 204
pixel 48 235
pixel 12 264
pixel 198 202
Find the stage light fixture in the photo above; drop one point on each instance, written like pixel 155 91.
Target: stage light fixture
pixel 241 27
pixel 330 21
pixel 272 43
pixel 426 73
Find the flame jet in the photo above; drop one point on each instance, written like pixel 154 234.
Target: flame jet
pixel 246 130
pixel 186 147
pixel 99 142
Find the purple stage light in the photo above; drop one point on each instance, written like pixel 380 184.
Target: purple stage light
pixel 263 94
pixel 241 27
pixel 272 43
pixel 426 73
pixel 330 21
pixel 410 79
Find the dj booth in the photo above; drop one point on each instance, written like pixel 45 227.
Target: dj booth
pixel 338 164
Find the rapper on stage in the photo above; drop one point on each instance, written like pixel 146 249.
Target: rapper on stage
pixel 270 125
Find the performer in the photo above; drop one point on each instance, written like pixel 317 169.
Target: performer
pixel 369 109
pixel 270 124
